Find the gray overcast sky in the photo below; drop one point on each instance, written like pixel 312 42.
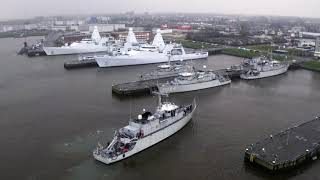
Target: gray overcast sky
pixel 11 9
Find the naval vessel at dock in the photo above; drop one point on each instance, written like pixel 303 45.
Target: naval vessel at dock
pixel 262 67
pixel 145 131
pixel 95 44
pixel 192 81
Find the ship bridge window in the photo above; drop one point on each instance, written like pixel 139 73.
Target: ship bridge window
pixel 148 47
pixel 144 119
pixel 176 52
pixel 170 113
pixel 173 113
pixel 146 115
pixel 129 131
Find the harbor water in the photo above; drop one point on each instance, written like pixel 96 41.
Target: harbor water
pixel 51 119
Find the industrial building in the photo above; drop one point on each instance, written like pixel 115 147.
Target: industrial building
pixel 142 36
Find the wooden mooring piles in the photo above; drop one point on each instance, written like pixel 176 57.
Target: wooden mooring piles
pixel 80 64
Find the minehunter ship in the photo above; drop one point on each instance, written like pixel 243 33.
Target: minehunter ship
pixel 147 130
pixel 165 71
pixel 135 54
pixel 262 68
pixel 95 44
pixel 191 81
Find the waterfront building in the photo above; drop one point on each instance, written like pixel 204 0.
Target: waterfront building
pixel 141 36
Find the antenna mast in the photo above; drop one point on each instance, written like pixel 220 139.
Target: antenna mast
pixel 159 97
pixel 271 51
pixel 130 107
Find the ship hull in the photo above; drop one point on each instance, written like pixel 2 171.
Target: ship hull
pixel 53 51
pixel 159 76
pixel 149 140
pixel 265 74
pixel 122 60
pixel 192 87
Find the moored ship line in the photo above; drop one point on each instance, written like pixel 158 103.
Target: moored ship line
pixel 158 52
pixel 146 131
pixel 147 57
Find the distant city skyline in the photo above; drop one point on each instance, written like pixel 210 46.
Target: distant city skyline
pixel 15 9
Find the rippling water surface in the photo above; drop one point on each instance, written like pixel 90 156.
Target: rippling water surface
pixel 51 119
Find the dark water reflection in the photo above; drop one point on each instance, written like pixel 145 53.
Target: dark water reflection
pixel 51 120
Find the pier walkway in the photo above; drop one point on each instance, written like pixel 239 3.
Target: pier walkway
pixel 287 149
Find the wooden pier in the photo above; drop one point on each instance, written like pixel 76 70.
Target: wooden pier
pixel 147 86
pixel 214 51
pixel 139 87
pixel 36 52
pixel 288 149
pixel 80 64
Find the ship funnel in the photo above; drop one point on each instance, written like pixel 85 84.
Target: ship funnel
pixel 158 40
pixel 95 35
pixel 131 38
